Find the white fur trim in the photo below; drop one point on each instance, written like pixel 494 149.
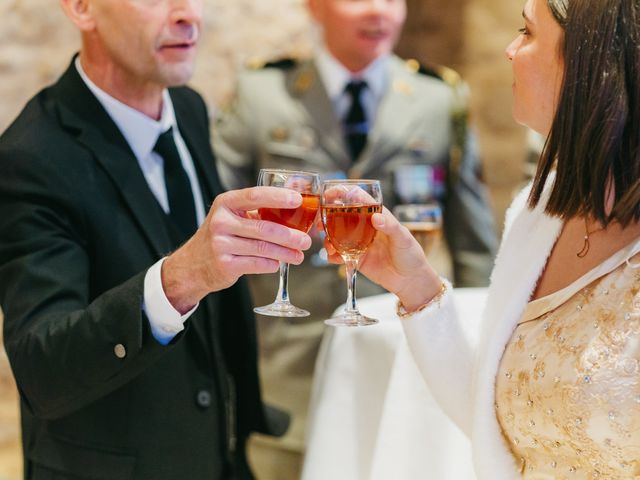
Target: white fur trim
pixel 525 247
pixel 445 356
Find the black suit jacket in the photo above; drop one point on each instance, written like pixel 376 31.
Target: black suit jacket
pixel 79 227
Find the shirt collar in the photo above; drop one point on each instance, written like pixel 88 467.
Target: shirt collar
pixel 335 76
pixel 140 131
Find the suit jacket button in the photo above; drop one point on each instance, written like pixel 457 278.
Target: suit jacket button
pixel 203 399
pixel 120 351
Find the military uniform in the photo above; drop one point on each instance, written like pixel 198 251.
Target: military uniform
pixel 281 116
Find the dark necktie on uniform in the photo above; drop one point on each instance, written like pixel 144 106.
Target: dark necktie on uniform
pixel 181 205
pixel 355 123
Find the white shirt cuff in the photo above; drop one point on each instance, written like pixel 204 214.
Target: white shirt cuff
pixel 165 321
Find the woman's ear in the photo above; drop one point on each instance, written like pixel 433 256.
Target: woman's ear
pixel 80 13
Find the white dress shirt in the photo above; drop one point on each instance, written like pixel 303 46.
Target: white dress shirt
pixel 335 78
pixel 141 133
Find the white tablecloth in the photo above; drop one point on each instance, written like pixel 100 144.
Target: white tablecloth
pixel 371 415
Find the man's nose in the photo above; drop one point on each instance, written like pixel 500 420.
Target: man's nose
pixel 377 6
pixel 186 17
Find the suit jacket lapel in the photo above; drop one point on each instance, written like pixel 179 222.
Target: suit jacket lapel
pixel 391 125
pixel 82 114
pixel 305 83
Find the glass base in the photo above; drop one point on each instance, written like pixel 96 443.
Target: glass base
pixel 350 320
pixel 281 309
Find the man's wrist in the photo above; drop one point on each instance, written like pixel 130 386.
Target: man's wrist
pixel 179 283
pixel 164 319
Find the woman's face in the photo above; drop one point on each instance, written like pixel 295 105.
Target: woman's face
pixel 537 67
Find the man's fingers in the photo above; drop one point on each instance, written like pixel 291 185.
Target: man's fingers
pixel 253 265
pixel 347 194
pixel 246 247
pixel 260 197
pixel 268 231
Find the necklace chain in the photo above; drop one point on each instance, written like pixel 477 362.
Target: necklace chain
pixel 586 245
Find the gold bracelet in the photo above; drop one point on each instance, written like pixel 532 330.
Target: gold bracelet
pixel 402 312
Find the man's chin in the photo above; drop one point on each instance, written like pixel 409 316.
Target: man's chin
pixel 177 76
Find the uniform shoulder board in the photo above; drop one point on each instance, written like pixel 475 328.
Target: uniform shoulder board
pixel 414 66
pixel 449 76
pixel 446 74
pixel 282 64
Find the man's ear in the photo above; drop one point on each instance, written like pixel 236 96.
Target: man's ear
pixel 80 13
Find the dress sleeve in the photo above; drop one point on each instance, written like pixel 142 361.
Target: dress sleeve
pixel 440 344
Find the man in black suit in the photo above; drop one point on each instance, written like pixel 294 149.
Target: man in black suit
pixel 132 363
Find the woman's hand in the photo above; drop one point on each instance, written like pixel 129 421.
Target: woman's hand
pixel 396 261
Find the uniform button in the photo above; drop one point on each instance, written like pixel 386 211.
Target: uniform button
pixel 120 351
pixel 203 398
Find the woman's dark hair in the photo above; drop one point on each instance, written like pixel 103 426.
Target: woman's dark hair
pixel 594 142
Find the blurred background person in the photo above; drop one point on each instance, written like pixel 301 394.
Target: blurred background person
pixel 353 110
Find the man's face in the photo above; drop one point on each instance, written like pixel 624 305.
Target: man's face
pixel 146 41
pixel 357 32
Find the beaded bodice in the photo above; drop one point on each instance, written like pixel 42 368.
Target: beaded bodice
pixel 568 386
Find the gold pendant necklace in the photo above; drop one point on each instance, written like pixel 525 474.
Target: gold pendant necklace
pixel 585 246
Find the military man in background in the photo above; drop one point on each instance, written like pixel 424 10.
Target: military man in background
pixel 353 110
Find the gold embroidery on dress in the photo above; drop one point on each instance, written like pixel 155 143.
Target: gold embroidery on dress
pixel 568 386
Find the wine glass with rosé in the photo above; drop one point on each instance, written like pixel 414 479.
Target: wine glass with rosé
pixel 346 207
pixel 301 218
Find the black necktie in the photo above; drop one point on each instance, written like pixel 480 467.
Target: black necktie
pixel 181 206
pixel 355 123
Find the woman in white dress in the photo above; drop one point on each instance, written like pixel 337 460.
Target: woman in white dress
pixel 552 388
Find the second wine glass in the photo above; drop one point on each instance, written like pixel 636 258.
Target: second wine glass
pixel 424 221
pixel 347 207
pixel 300 218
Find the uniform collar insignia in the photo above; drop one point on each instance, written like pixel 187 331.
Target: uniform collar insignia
pixel 304 80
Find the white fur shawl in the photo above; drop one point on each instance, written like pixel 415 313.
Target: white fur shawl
pixel 460 371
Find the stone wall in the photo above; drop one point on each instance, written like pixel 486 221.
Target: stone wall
pixel 470 35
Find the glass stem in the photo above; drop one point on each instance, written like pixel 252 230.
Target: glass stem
pixel 351 265
pixel 283 287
